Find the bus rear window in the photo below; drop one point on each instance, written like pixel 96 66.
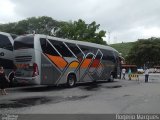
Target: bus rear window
pixel 24 42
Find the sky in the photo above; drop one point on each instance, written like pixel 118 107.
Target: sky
pixel 123 20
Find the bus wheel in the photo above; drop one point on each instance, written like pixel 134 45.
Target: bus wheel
pixel 111 79
pixel 71 80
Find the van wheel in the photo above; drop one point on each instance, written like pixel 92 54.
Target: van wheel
pixel 71 80
pixel 111 78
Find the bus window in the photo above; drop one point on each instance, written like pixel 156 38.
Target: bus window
pixel 108 55
pixel 64 51
pixel 75 50
pixel 24 42
pixel 87 49
pixel 47 48
pixel 5 43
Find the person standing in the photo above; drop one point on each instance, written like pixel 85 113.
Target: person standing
pixel 123 73
pixel 146 75
pixel 155 70
pixel 3 81
pixel 129 73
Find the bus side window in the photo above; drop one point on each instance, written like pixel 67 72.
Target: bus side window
pixel 47 48
pixel 108 55
pixel 87 49
pixel 75 50
pixel 73 47
pixel 62 49
pixel 5 43
pixel 43 43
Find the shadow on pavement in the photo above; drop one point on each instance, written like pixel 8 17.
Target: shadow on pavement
pixel 33 101
pixel 89 86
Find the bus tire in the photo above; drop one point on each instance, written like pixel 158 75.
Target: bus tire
pixel 71 80
pixel 111 78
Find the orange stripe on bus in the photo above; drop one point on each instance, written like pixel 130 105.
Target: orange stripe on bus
pixel 86 63
pixel 95 63
pixel 59 61
pixel 74 65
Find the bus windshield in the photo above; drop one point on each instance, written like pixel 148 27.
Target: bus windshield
pixel 5 43
pixel 24 42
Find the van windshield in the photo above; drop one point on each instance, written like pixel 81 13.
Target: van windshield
pixel 24 42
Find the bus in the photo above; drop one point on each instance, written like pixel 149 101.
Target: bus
pixel 6 51
pixel 46 60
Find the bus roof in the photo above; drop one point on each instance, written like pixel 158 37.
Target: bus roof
pixel 78 42
pixel 73 41
pixel 4 33
pixel 9 34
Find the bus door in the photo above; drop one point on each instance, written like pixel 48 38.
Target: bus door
pixel 49 72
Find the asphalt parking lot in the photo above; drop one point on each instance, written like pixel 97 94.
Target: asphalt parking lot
pixel 120 96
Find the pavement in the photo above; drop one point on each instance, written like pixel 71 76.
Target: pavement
pixel 121 96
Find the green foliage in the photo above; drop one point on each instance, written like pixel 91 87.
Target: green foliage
pixel 145 51
pixel 77 30
pixel 123 48
pixel 40 25
pixel 10 27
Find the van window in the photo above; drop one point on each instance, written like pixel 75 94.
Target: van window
pixel 5 43
pixel 24 42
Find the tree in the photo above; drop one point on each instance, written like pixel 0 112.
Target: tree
pixel 79 30
pixel 10 27
pixel 40 25
pixel 145 51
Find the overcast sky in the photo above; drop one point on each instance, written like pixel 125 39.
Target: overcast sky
pixel 124 20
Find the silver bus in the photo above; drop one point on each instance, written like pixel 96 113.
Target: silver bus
pixel 47 60
pixel 6 51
